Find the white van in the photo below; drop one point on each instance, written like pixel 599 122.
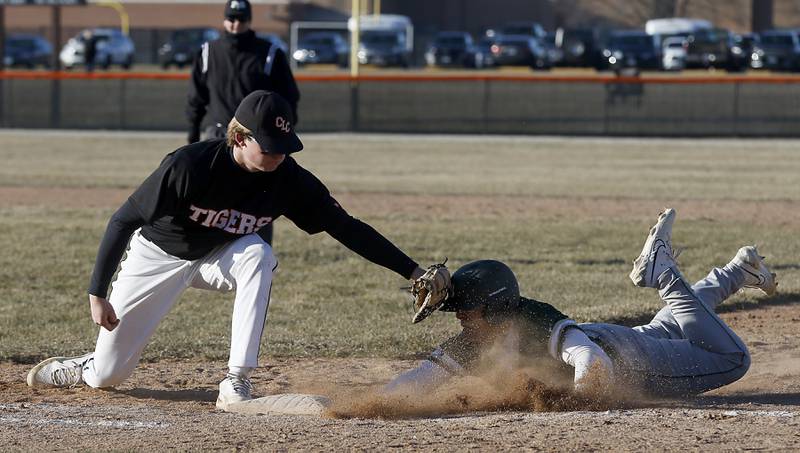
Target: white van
pixel 676 26
pixel 385 39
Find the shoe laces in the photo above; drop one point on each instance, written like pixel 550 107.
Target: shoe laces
pixel 241 385
pixel 65 376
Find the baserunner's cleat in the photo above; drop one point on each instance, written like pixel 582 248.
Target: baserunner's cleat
pixel 657 254
pixel 757 275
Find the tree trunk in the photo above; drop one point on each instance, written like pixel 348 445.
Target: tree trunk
pixel 664 8
pixel 761 15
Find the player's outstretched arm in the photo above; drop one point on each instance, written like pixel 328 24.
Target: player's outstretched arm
pixel 593 368
pixel 103 313
pixel 424 378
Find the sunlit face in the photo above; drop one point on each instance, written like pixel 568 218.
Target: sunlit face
pixel 249 155
pixel 235 26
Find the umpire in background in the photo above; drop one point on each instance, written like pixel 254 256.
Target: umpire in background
pixel 230 68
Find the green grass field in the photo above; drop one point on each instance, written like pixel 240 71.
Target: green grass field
pixel 568 215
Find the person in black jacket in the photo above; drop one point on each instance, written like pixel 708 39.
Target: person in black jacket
pixel 231 67
pixel 197 221
pixel 89 49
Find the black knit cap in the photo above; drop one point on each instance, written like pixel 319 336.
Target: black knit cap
pixel 269 118
pixel 238 9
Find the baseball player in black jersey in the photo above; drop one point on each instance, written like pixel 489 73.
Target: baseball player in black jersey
pixel 231 67
pixel 196 222
pixel 686 348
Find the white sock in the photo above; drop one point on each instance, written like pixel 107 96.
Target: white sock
pixel 241 371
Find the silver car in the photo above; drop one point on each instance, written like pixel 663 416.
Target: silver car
pixel 113 47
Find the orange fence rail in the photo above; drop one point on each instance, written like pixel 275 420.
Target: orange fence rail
pixel 421 77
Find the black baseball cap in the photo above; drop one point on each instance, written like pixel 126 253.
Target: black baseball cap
pixel 269 117
pixel 238 9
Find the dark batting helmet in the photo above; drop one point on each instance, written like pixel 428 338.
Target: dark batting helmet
pixel 486 283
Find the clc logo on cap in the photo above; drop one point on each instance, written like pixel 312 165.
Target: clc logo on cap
pixel 238 5
pixel 282 124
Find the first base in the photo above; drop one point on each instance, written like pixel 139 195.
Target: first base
pixel 286 403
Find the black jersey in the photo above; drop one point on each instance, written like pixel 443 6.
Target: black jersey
pixel 537 326
pixel 200 198
pixel 231 67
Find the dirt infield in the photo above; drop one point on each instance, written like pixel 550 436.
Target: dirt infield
pixel 170 405
pixel 785 212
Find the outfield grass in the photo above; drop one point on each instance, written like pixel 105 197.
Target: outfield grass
pixel 568 215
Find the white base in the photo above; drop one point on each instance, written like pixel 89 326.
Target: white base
pixel 287 403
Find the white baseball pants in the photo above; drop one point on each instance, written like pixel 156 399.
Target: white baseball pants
pixel 149 283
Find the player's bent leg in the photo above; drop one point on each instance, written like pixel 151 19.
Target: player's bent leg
pixel 246 266
pixel 698 322
pixel 692 369
pixel 663 325
pixel 149 283
pixel 252 271
pixel 746 270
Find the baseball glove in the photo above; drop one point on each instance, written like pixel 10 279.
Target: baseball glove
pixel 430 290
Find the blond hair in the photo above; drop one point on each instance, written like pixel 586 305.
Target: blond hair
pixel 234 127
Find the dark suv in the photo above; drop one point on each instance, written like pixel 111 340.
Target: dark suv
pixel 581 47
pixel 322 47
pixel 183 45
pixel 715 48
pixel 454 48
pixel 520 50
pixel 384 48
pixel 27 51
pixel 632 49
pixel 778 50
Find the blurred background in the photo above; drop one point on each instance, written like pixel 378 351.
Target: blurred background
pixel 577 67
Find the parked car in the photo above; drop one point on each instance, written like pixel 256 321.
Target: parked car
pixel 674 51
pixel 777 50
pixel 581 47
pixel 113 47
pixel 383 48
pixel 747 42
pixel 454 48
pixel 485 46
pixel 524 28
pixel 275 40
pixel 632 49
pixel 183 45
pixel 713 48
pixel 519 50
pixel 554 53
pixel 739 51
pixel 27 51
pixel 322 47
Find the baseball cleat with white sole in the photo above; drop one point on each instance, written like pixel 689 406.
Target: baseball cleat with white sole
pixel 233 389
pixel 657 254
pixel 58 371
pixel 757 275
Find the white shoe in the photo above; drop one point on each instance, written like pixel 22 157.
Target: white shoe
pixel 233 389
pixel 657 255
pixel 756 273
pixel 58 371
